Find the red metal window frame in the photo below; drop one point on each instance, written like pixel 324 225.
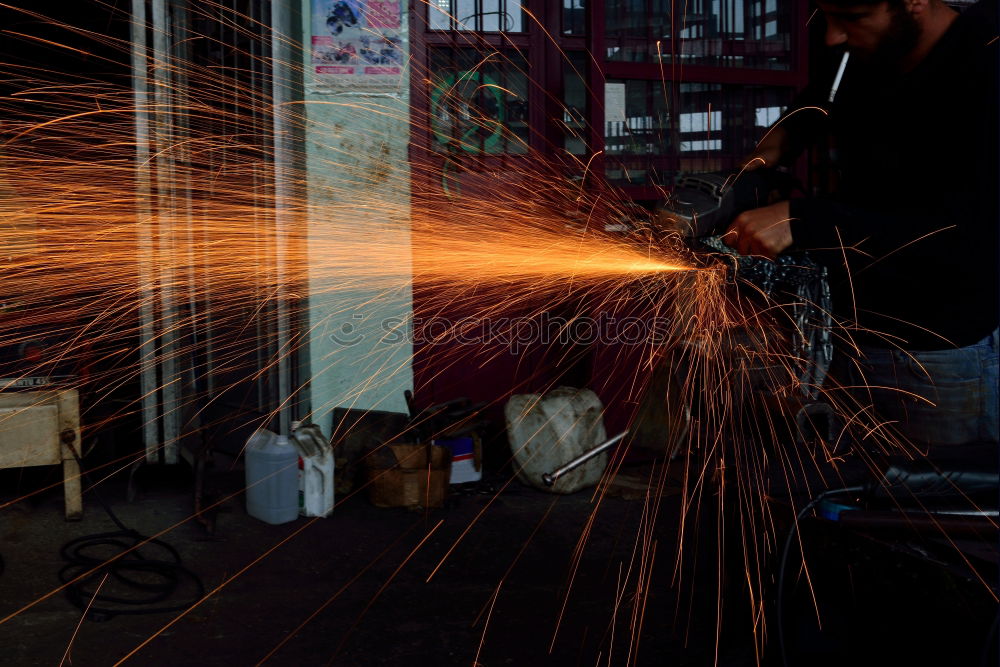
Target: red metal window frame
pixel 544 44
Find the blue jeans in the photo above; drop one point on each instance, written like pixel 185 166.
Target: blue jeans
pixel 931 397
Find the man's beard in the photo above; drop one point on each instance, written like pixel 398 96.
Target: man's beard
pixel 898 42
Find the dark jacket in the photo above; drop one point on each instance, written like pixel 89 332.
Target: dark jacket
pixel 915 213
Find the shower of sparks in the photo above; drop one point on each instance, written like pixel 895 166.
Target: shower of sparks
pixel 171 251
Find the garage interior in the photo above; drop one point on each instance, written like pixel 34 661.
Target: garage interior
pixel 347 233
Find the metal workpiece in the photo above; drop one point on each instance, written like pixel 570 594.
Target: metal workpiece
pixel 550 478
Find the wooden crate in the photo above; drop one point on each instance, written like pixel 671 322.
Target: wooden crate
pixel 410 482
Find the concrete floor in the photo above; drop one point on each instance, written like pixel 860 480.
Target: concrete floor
pixel 356 583
pixel 353 589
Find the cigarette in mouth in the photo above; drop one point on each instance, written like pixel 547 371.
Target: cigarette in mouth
pixel 840 75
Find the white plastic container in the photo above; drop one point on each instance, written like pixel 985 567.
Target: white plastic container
pixel 316 492
pixel 316 483
pixel 272 476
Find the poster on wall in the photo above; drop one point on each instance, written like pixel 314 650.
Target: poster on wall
pixel 357 45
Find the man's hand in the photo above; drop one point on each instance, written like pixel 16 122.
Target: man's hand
pixel 761 231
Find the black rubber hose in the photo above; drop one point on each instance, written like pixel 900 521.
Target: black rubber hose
pixel 784 562
pixel 154 580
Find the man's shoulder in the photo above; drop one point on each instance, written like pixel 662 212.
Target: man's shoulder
pixel 967 54
pixel 979 23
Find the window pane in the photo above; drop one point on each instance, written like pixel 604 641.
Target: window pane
pixel 574 17
pixel 636 123
pixel 465 14
pixel 476 106
pixel 513 16
pixel 478 15
pixel 688 127
pixel 491 15
pixel 737 33
pixel 637 30
pixel 439 14
pixel 574 120
pixel 720 33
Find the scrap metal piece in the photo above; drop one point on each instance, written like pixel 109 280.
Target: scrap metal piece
pixel 801 285
pixel 816 421
pixel 550 478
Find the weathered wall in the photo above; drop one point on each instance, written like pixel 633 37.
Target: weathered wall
pixel 357 180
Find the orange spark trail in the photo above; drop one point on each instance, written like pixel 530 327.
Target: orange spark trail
pixel 291 635
pixel 486 625
pixel 83 616
pixel 95 224
pixel 382 588
pixel 215 590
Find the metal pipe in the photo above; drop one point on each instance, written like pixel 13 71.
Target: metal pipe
pixel 165 217
pixel 550 478
pixel 283 66
pixel 143 188
pixel 181 51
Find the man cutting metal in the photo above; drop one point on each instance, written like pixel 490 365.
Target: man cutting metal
pixel 909 227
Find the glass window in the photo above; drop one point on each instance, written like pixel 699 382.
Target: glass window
pixel 715 126
pixel 636 123
pixel 478 106
pixel 636 30
pixel 717 33
pixel 574 120
pixel 478 15
pixel 574 17
pixel 737 33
